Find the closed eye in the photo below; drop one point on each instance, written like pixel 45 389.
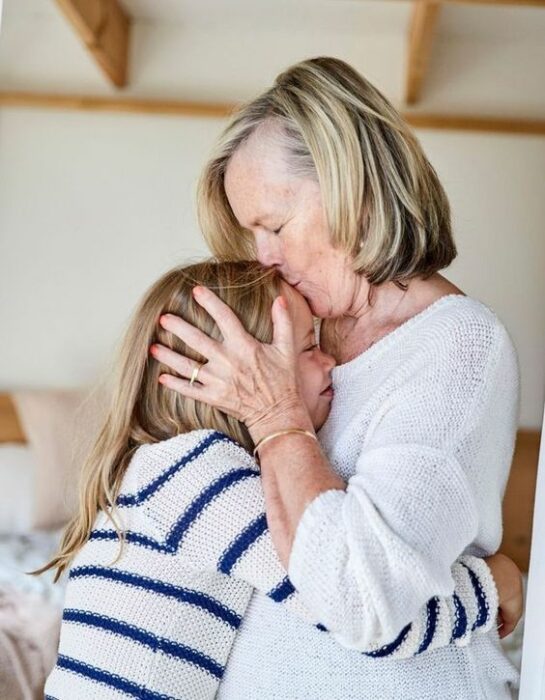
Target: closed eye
pixel 278 230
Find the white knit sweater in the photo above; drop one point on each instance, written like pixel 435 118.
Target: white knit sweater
pixel 160 622
pixel 422 427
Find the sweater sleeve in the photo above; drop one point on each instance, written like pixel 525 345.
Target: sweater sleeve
pixel 232 537
pixel 427 489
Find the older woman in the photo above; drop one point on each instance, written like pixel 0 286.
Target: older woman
pixel 321 178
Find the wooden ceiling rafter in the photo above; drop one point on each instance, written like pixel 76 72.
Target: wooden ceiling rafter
pixel 424 18
pixel 104 28
pixel 422 27
pixel 182 108
pixel 517 3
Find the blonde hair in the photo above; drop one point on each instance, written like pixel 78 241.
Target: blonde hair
pixel 383 200
pixel 144 411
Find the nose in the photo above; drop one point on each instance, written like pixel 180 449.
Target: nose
pixel 329 362
pixel 267 249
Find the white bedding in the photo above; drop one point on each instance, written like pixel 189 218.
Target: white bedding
pixel 30 614
pixel 23 552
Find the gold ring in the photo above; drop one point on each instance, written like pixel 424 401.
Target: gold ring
pixel 194 374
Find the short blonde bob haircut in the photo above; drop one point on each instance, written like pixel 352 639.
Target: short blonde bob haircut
pixel 383 201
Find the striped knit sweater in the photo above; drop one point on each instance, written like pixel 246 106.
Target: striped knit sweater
pixel 159 622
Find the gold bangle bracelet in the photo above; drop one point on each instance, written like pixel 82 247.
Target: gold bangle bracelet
pixel 297 431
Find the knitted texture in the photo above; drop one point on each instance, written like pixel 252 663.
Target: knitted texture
pixel 422 428
pixel 161 621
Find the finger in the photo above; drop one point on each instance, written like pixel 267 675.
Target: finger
pixel 182 386
pixel 192 336
pixel 225 318
pixel 506 623
pixel 282 325
pixel 179 363
pixel 506 630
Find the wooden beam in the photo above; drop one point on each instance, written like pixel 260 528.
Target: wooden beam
pixel 135 105
pixel 421 30
pixel 528 3
pixel 182 108
pixel 10 425
pixel 462 122
pixel 104 28
pixel 518 502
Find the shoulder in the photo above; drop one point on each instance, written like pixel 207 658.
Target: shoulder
pixel 193 445
pixel 462 330
pixel 451 351
pixel 196 454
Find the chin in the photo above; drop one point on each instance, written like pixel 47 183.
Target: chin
pixel 320 307
pixel 316 307
pixel 321 419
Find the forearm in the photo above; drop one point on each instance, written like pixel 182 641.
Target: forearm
pixel 294 470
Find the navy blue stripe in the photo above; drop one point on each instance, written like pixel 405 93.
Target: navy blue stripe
pixel 282 591
pixel 241 543
pixel 110 679
pixel 129 500
pixel 170 546
pixel 49 697
pixel 132 537
pixel 389 649
pixel 432 609
pixel 482 615
pixel 203 500
pixel 460 626
pixel 145 638
pixel 183 595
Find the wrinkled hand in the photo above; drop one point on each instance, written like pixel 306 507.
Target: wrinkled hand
pixel 249 380
pixel 509 584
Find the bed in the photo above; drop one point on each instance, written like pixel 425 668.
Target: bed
pixel 27 651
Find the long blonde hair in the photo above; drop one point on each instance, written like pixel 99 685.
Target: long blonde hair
pixel 383 200
pixel 142 410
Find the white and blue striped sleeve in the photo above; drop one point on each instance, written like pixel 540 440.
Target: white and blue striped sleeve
pixel 214 510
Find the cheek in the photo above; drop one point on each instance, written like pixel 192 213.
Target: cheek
pixel 311 378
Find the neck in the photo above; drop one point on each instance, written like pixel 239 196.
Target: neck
pixel 376 312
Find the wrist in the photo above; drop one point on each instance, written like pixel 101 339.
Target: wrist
pixel 291 414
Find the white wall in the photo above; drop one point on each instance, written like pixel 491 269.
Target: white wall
pixel 94 207
pixel 92 210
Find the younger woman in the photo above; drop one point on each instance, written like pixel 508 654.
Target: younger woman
pixel 174 481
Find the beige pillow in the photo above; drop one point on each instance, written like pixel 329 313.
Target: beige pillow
pixel 17 467
pixel 60 427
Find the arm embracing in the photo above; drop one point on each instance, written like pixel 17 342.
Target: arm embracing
pixel 427 488
pixel 368 560
pixel 232 537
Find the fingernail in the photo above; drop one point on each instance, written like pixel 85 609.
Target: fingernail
pixel 152 349
pixel 283 303
pixel 162 379
pixel 197 291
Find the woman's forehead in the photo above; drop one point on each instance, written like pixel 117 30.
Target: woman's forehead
pixel 257 189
